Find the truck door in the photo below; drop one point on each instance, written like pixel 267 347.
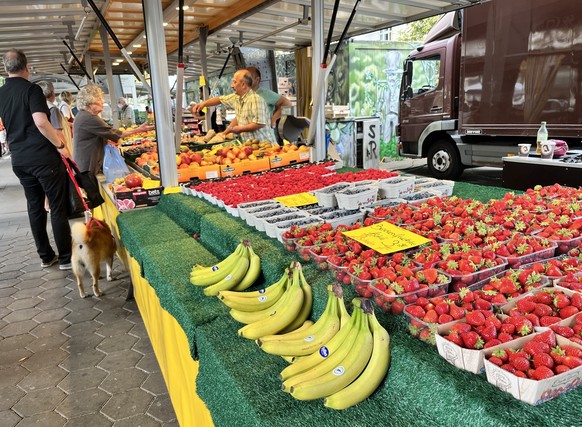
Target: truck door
pixel 423 102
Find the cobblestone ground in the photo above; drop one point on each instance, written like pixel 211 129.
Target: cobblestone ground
pixel 67 361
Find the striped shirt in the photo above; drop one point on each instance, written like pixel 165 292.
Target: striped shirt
pixel 250 108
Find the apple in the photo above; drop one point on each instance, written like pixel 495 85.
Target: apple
pixel 133 180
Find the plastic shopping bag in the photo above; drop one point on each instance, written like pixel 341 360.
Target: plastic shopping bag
pixel 113 164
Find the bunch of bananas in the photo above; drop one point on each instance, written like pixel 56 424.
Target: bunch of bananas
pixel 281 307
pixel 348 368
pixel 237 272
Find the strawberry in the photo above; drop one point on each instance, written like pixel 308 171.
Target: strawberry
pixel 431 316
pixel 542 373
pixel 544 298
pixel 456 312
pixel 526 305
pixel 572 351
pixel 549 320
pixel 520 374
pixel 558 355
pixel 455 338
pixel 472 340
pixel 560 369
pixel 501 353
pixel 548 337
pixel 505 337
pixel 568 311
pixel 564 331
pixel 535 320
pixel 572 362
pixel 523 326
pixel 535 347
pixel 460 328
pixel 520 363
pixel 561 300
pixel 430 275
pixel 475 318
pixel 543 359
pixel 541 310
pixel 494 342
pixel 576 300
pixel 445 318
pixel 496 360
pixel 489 333
pixel 508 367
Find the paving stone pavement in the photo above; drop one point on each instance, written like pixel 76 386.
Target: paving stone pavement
pixel 67 361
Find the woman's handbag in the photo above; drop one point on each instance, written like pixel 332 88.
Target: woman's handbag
pixel 78 203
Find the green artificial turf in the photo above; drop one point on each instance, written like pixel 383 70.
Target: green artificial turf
pixel 238 382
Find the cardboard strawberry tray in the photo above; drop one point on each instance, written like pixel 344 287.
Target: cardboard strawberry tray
pixel 533 392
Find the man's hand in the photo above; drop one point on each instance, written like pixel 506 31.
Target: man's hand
pixel 64 152
pixel 197 107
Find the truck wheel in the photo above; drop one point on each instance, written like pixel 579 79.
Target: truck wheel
pixel 444 161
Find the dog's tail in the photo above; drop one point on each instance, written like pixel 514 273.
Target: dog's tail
pixel 79 232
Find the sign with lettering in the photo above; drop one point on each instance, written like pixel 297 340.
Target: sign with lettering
pixel 294 200
pixel 386 238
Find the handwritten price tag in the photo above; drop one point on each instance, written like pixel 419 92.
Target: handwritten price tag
pixel 300 199
pixel 386 238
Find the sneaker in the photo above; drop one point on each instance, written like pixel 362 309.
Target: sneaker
pixel 49 263
pixel 66 266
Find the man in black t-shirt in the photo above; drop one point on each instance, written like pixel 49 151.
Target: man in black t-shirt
pixel 36 149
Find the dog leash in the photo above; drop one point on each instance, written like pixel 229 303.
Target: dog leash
pixel 88 214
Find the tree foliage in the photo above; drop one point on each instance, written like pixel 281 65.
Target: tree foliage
pixel 415 31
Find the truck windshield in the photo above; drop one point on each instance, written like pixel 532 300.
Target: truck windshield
pixel 425 74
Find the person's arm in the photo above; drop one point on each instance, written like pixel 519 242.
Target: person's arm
pixel 142 128
pixel 49 132
pixel 249 127
pixel 208 103
pixel 281 103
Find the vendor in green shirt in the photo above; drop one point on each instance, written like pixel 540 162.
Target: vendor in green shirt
pixel 274 101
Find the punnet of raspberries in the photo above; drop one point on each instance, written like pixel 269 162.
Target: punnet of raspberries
pixel 539 359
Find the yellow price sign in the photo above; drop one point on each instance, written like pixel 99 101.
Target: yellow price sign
pixel 294 200
pixel 386 238
pixel 202 81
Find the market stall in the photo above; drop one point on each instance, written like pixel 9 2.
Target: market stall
pixel 239 383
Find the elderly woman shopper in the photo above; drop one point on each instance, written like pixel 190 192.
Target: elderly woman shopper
pixel 57 119
pixel 91 133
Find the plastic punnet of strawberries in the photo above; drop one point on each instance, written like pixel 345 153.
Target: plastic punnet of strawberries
pixel 538 359
pixel 545 307
pixel 510 284
pixel 572 329
pixel 572 282
pixel 392 295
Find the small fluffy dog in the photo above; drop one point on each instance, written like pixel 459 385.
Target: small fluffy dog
pixel 92 244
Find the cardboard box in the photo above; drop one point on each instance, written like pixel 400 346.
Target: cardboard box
pixel 125 200
pixel 532 391
pixel 285 159
pixel 205 172
pixel 252 166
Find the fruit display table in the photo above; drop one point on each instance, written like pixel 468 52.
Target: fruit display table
pixel 520 173
pixel 239 384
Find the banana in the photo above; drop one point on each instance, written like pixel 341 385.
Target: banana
pixel 288 359
pixel 265 292
pixel 253 272
pixel 344 315
pixel 248 317
pixel 240 302
pixel 214 274
pixel 372 376
pixel 307 302
pixel 306 363
pixel 231 280
pixel 293 301
pixel 344 372
pixel 312 339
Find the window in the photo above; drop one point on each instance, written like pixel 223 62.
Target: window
pixel 425 74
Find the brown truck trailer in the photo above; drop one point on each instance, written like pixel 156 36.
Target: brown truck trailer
pixel 486 77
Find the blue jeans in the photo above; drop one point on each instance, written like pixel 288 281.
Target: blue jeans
pixel 49 180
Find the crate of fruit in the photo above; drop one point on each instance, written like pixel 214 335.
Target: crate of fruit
pixel 244 208
pixel 355 197
pixel 556 269
pixel 523 249
pixel 326 196
pixel 396 186
pixel 343 217
pixel 260 218
pixel 443 186
pixel 419 197
pixel 536 383
pixel 393 295
pixel 468 268
pixel 283 227
pixel 271 223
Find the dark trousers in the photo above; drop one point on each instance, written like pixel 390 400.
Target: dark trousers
pixel 49 180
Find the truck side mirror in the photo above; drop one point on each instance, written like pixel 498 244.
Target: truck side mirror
pixel 409 93
pixel 408 72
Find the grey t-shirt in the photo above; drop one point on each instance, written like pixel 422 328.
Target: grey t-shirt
pixel 90 134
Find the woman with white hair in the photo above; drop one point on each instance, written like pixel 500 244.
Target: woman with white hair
pixel 91 133
pixel 57 119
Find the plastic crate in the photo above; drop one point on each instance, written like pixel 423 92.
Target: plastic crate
pixel 339 273
pixel 245 207
pixel 271 223
pixel 345 218
pixel 445 187
pixel 517 261
pixel 385 300
pixel 261 218
pixel 282 227
pixel 396 186
pixel 251 213
pixel 355 197
pixel 467 280
pixel 326 195
pixel 419 197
